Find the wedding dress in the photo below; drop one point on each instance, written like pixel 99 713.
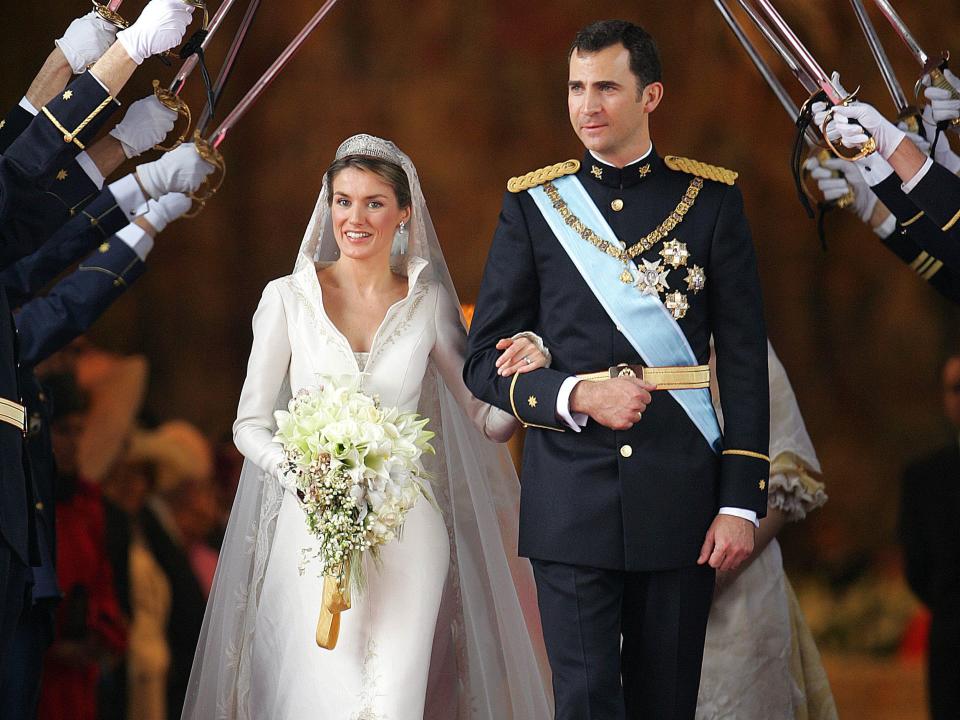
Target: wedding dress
pixel 446 625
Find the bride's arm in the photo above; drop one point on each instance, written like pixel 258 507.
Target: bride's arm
pixel 448 354
pixel 266 371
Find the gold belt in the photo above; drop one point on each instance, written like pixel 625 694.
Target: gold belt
pixel 678 377
pixel 13 414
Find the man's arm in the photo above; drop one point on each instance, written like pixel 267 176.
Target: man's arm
pixel 509 302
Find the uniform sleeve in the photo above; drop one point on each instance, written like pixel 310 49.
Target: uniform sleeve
pixel 508 303
pixel 938 195
pixel 47 324
pixel 740 340
pixel 12 125
pixel 447 354
pixel 266 371
pixel 75 239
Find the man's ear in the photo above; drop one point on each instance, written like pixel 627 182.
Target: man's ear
pixel 651 96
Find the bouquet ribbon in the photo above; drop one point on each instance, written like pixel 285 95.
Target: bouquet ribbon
pixel 336 599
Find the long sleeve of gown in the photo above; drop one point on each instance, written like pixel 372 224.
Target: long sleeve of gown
pixel 266 370
pixel 448 355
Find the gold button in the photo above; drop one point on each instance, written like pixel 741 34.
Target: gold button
pixel 39 506
pixel 626 451
pixel 617 205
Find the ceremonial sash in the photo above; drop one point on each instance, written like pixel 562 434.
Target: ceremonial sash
pixel 644 320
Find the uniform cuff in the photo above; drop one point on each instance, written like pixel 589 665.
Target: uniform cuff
pixel 574 421
pixel 915 180
pixel 886 228
pixel 137 239
pixel 741 513
pixel 28 106
pixel 126 191
pixel 90 168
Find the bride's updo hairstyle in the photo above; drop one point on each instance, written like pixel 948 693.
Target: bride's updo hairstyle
pixel 389 172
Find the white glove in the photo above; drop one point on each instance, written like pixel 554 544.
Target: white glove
pixel 852 120
pixel 160 27
pixel 86 39
pixel 168 208
pixel 836 177
pixel 180 170
pixel 945 104
pixel 942 153
pixel 146 123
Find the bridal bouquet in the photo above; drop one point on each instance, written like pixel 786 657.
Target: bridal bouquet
pixel 358 473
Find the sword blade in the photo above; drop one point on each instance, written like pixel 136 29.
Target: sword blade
pixel 880 56
pixel 782 50
pixel 228 63
pixel 799 50
pixel 114 5
pixel 900 27
pixel 786 101
pixel 190 63
pixel 256 91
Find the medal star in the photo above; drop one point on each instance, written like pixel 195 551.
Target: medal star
pixel 696 279
pixel 62 175
pixel 653 278
pixel 676 303
pixel 68 94
pixel 675 253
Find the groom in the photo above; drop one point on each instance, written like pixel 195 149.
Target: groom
pixel 626 264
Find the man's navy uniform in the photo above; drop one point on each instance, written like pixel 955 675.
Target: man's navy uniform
pixel 28 217
pixel 614 521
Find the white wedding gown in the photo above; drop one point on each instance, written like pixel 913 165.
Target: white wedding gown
pixel 381 665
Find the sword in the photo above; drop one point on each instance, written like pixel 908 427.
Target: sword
pixel 905 111
pixel 825 85
pixel 786 101
pixel 808 83
pixel 931 66
pixel 227 66
pixel 208 148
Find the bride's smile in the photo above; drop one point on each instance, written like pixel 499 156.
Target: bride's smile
pixel 365 213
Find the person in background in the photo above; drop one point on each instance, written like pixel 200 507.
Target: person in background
pixel 929 507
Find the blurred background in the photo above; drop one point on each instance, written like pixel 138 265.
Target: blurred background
pixel 475 93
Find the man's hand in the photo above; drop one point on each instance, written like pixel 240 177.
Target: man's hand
pixel 728 543
pixel 618 403
pixel 180 170
pixel 147 122
pixel 160 27
pixel 87 38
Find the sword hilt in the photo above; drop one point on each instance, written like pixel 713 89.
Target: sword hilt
pixel 110 15
pixel 208 152
pixel 179 106
pixel 821 155
pixel 868 148
pixel 939 80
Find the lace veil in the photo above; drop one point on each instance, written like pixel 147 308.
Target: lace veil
pixel 488 661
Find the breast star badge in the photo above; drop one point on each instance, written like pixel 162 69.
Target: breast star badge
pixel 696 279
pixel 676 303
pixel 674 253
pixel 653 279
pixel 532 401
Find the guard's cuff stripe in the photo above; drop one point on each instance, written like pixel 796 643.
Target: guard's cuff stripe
pixel 912 220
pixel 919 260
pixel 933 269
pixel 953 221
pixel 747 453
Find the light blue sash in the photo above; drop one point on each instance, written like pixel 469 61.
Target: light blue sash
pixel 646 323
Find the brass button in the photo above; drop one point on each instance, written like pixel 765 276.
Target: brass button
pixel 626 451
pixel 39 506
pixel 617 205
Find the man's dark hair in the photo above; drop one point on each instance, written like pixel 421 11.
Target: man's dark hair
pixel 644 58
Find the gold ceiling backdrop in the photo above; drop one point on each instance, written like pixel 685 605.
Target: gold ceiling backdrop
pixel 475 93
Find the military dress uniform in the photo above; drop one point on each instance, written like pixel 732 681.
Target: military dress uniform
pixel 613 521
pixel 28 217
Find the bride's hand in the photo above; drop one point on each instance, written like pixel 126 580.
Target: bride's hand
pixel 520 355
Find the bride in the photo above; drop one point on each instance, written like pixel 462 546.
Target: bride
pixel 446 627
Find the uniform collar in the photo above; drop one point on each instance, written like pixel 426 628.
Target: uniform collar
pixel 627 176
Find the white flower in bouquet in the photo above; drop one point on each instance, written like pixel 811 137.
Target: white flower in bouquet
pixel 357 468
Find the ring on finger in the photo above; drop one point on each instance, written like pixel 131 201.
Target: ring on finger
pixel 639 416
pixel 527 361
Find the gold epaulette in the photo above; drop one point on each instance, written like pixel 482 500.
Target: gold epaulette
pixel 544 174
pixel 695 167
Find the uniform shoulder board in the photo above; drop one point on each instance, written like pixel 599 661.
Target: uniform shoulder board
pixel 544 174
pixel 695 167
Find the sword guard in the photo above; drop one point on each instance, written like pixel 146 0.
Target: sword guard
pixel 111 16
pixel 179 106
pixel 207 151
pixel 868 148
